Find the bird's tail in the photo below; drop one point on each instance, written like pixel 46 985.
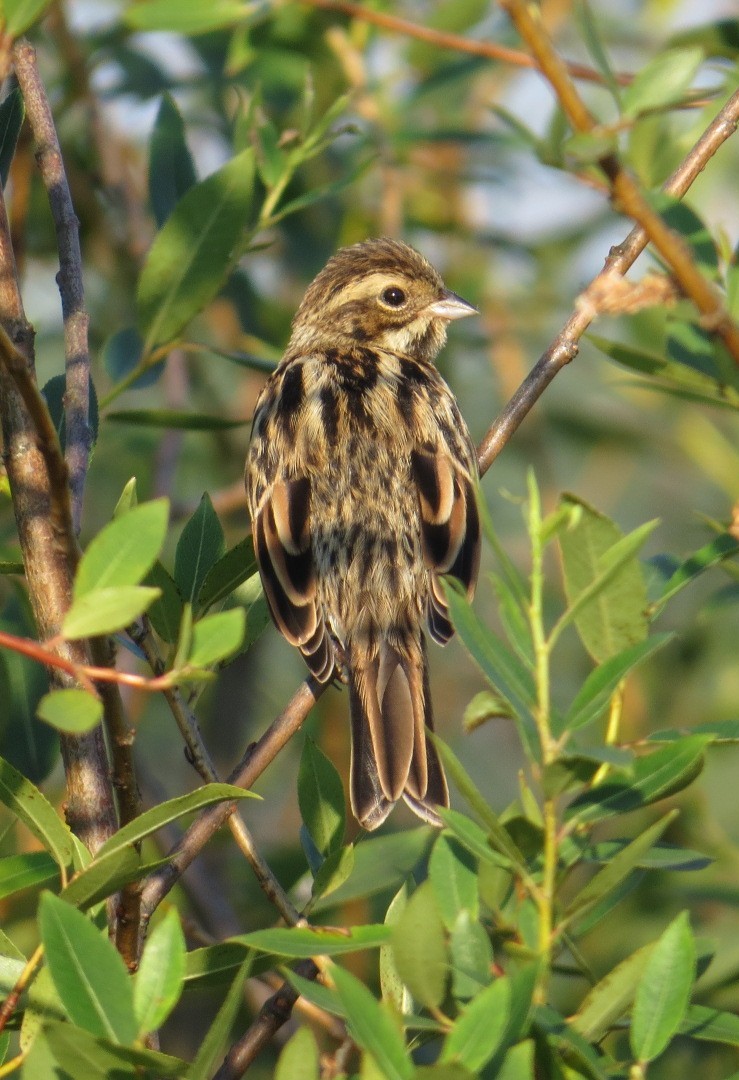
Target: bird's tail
pixel 392 756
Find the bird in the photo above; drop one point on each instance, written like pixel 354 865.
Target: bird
pixel 361 480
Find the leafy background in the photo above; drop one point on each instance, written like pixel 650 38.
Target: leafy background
pixel 350 132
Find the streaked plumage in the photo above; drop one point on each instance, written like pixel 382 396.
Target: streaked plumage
pixel 361 485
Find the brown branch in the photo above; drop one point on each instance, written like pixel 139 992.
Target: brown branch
pixel 69 278
pixel 565 346
pixel 38 483
pixel 625 191
pixel 489 50
pixel 273 1014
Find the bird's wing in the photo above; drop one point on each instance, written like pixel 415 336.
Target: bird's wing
pixel 450 528
pixel 282 545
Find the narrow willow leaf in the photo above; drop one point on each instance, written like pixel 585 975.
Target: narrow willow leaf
pixel 381 864
pixel 166 612
pixel 612 997
pixel 391 984
pixel 216 637
pixel 518 1063
pixel 299 1058
pixel 186 16
pixel 373 1027
pixel 664 991
pixel 107 874
pixel 20 15
pixel 420 948
pixel 31 807
pixel 226 575
pixel 122 354
pixel 473 838
pixel 654 777
pixel 70 710
pixel 78 1053
pixel 663 81
pixel 160 977
pixel 333 871
pixel 508 676
pixel 193 252
pixel 211 1047
pixel 318 995
pixel 619 868
pixel 471 957
pixel 199 548
pixel 722 547
pixel 321 798
pixel 480 1027
pixel 171 169
pixel 163 814
pixel 29 745
pixel 103 611
pixel 710 1025
pixel 600 685
pixel 26 871
pixel 303 942
pixel 453 879
pixel 175 419
pixel 54 391
pixel 89 974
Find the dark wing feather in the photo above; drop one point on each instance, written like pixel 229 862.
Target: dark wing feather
pixel 450 530
pixel 282 545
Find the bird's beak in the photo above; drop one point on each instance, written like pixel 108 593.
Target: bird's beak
pixel 450 306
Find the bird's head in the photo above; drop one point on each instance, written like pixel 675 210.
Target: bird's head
pixel 382 294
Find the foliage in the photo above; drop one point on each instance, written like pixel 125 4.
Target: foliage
pixel 576 916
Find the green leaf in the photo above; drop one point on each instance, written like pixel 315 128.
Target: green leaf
pixel 216 637
pixel 77 1053
pixel 321 799
pixel 175 419
pixel 165 613
pixel 372 1027
pixel 381 864
pixel 453 879
pixel 122 355
pixel 664 991
pixel 471 957
pixel 391 983
pixel 165 813
pixel 301 943
pixel 722 547
pixel 299 1058
pixel 603 581
pixel 211 1047
pixel 161 974
pixel 20 15
pixel 19 872
pixel 611 997
pixel 619 868
pixel 199 548
pixel 501 667
pixel 186 16
pixel 420 949
pixel 473 838
pixel 315 993
pixel 333 871
pixel 227 574
pixel 107 874
pixel 193 252
pixel 600 685
pixel 31 807
pixel 74 711
pixel 12 114
pixel 26 743
pixel 518 1063
pixel 104 610
pixel 480 1027
pixel 171 169
pixel 663 82
pixel 124 551
pixel 711 1025
pixel 88 973
pixel 653 777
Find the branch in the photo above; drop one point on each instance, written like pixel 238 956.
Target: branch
pixel 273 1014
pixel 625 191
pixel 565 346
pixel 454 42
pixel 69 278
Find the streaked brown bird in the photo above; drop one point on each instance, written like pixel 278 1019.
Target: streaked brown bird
pixel 361 480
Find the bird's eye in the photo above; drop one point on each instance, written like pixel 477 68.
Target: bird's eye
pixel 394 296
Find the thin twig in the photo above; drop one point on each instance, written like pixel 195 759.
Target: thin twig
pixel 273 1014
pixel 489 50
pixel 626 192
pixel 69 278
pixel 565 346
